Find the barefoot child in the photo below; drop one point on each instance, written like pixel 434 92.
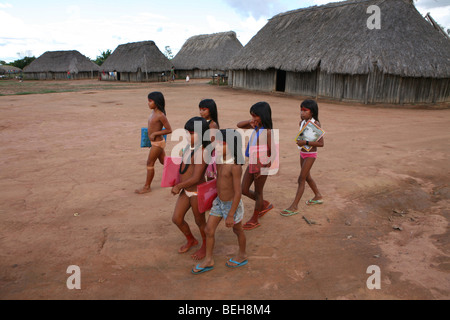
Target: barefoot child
pixel 228 205
pixel 309 111
pixel 261 122
pixel 156 122
pixel 192 170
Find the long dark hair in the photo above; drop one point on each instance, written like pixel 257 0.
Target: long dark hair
pixel 262 110
pixel 204 135
pixel 210 104
pixel 159 100
pixel 233 139
pixel 311 105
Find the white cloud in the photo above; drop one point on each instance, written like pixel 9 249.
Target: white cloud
pixel 216 25
pixel 257 8
pixel 5 5
pixel 429 4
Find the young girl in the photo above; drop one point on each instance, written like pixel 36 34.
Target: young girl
pixel 192 170
pixel 261 122
pixel 309 111
pixel 228 205
pixel 156 122
pixel 208 111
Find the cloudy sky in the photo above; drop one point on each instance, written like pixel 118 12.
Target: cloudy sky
pixel 30 27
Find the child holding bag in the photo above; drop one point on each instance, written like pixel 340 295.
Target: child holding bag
pixel 228 205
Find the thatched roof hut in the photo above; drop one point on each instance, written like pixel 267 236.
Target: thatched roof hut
pixel 138 61
pixel 61 65
pixel 203 55
pixel 330 51
pixel 5 69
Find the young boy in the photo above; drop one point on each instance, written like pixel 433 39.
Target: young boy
pixel 156 122
pixel 228 205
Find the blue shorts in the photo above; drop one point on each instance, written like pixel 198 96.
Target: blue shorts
pixel 222 208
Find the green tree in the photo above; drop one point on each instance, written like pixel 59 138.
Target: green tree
pixel 168 52
pixel 101 58
pixel 22 63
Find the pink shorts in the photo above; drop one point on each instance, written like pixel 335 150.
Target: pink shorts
pixel 306 155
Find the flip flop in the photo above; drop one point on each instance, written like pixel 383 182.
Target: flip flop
pixel 237 264
pixel 313 202
pixel 267 209
pixel 201 270
pixel 251 225
pixel 288 213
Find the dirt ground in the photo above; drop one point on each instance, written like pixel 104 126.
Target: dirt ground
pixel 70 163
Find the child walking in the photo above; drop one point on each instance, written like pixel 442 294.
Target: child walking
pixel 309 112
pixel 156 122
pixel 228 205
pixel 208 111
pixel 261 122
pixel 192 171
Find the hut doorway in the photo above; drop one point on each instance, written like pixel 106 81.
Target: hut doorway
pixel 281 81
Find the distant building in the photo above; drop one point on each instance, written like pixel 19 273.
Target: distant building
pixel 203 56
pixel 330 51
pixel 60 65
pixel 138 61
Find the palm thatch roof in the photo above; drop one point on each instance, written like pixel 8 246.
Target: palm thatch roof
pixel 335 37
pixel 9 69
pixel 143 55
pixel 62 61
pixel 208 51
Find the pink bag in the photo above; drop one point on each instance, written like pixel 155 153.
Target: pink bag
pixel 211 170
pixel 258 157
pixel 207 193
pixel 171 173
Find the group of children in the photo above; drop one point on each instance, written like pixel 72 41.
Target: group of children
pixel 229 161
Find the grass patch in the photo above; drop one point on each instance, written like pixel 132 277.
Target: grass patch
pixel 28 87
pixel 40 92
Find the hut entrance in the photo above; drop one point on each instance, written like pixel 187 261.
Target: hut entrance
pixel 281 81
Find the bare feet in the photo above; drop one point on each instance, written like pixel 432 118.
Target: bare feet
pixel 201 253
pixel 144 190
pixel 188 246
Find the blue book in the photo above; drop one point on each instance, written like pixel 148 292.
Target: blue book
pixel 145 141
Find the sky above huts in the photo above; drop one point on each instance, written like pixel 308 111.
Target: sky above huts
pixel 30 27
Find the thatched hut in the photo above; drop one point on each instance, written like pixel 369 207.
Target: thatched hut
pixel 138 61
pixel 59 65
pixel 329 51
pixel 203 56
pixel 9 70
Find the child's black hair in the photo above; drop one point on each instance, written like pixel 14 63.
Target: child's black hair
pixel 262 110
pixel 233 139
pixel 159 100
pixel 210 104
pixel 204 134
pixel 311 105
